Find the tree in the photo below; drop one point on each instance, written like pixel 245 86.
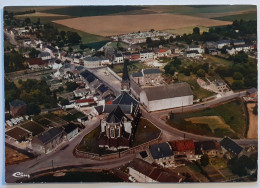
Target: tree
pixel 204 160
pixel 255 110
pixel 33 109
pixel 171 39
pixel 71 86
pixel 73 37
pixel 237 85
pixel 149 40
pixel 64 102
pixel 27 20
pixel 34 53
pixel 196 30
pixel 201 73
pixel 237 76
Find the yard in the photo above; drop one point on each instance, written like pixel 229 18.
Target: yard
pixel 146 131
pixel 217 61
pixel 33 127
pixel 198 92
pixel 132 67
pixel 232 114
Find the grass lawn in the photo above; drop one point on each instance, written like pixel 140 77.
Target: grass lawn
pixel 198 92
pixel 70 117
pixel 132 67
pixel 187 30
pixel 33 127
pixel 233 113
pixel 121 44
pixel 145 132
pixel 213 60
pixel 214 122
pixel 218 162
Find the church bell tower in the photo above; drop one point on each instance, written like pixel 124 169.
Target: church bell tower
pixel 125 84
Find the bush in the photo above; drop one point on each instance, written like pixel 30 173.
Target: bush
pixel 204 160
pixel 237 76
pixel 201 73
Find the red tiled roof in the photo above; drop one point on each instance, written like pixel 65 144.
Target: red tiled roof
pixel 161 50
pixel 182 145
pixel 85 100
pixel 110 102
pixel 36 61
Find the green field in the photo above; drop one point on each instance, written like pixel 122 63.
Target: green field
pixel 217 61
pixel 33 127
pixel 245 16
pixel 233 114
pixel 198 92
pixel 82 11
pixel 145 132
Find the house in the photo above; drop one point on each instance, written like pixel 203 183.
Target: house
pixel 45 55
pixel 252 95
pixel 118 58
pixel 230 148
pixel 53 51
pixel 135 56
pixel 144 172
pixel 17 108
pixel 48 140
pixel 163 52
pixel 162 154
pixel 166 96
pixel 243 47
pixel 120 118
pixel 81 92
pixel 148 77
pixel 146 55
pixel 55 64
pixel 222 43
pixel 196 48
pixel 37 63
pixel 93 62
pixel 18 134
pixel 238 42
pixel 193 54
pixel 183 149
pixel 209 147
pixel 70 131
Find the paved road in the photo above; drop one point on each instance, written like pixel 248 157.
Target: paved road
pixel 172 133
pixel 63 157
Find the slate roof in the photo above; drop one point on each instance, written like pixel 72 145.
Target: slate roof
pixel 137 74
pixel 230 145
pixel 192 52
pixel 70 127
pixel 91 59
pixel 102 88
pixel 160 150
pixel 168 91
pixel 116 115
pixel 17 102
pixel 99 109
pixel 223 41
pixel 50 134
pixel 208 145
pixel 126 109
pixel 143 154
pixel 252 90
pixel 44 54
pixel 152 71
pixel 125 98
pixel 118 55
pixel 88 76
pixel 198 150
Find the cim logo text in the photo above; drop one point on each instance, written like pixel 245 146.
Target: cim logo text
pixel 20 175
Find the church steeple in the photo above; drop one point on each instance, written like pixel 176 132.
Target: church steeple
pixel 125 84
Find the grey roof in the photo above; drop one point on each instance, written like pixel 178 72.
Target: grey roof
pixel 70 127
pixel 126 109
pixel 50 134
pixel 252 90
pixel 208 145
pixel 137 74
pixel 151 71
pixel 118 55
pixel 116 115
pixel 192 51
pixel 99 109
pixel 223 41
pixel 168 91
pixel 160 150
pixel 125 98
pixel 17 102
pixel 230 145
pixel 44 54
pixel 91 59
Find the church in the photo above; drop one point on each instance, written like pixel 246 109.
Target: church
pixel 121 118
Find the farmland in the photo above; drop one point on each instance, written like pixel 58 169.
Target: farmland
pixel 142 23
pixel 245 16
pixel 232 113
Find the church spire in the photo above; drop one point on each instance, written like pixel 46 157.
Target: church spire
pixel 125 84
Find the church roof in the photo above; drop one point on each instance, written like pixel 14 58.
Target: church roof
pixel 116 115
pixel 125 98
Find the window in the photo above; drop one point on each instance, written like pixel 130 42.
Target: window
pixel 112 132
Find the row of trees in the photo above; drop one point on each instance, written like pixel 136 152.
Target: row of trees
pixel 14 61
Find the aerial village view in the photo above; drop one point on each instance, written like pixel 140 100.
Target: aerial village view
pixel 131 93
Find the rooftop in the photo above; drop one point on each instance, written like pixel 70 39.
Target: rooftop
pixel 160 150
pixel 17 102
pixel 50 134
pixel 230 145
pixel 70 127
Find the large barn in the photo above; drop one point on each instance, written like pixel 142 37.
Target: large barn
pixel 167 96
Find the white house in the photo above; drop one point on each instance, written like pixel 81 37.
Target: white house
pixel 222 43
pixel 196 48
pixel 193 54
pixel 146 55
pixel 118 58
pixel 167 96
